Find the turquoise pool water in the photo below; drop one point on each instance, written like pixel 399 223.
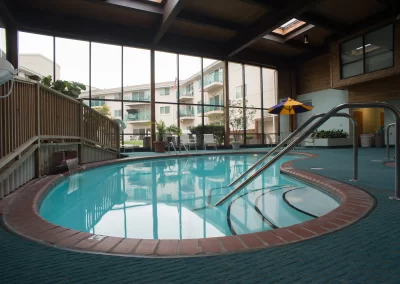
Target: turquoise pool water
pixel 173 198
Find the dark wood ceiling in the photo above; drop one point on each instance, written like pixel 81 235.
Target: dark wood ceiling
pixel 238 30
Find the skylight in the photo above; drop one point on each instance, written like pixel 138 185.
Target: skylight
pixel 292 21
pixel 289 26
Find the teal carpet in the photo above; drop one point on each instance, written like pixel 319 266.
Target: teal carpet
pixel 367 252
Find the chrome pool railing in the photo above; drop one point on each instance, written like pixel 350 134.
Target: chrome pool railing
pixel 297 131
pixel 333 111
pixel 387 140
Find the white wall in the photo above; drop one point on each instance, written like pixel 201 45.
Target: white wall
pixel 324 101
pixel 39 64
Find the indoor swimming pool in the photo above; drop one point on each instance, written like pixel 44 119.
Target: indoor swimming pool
pixel 173 198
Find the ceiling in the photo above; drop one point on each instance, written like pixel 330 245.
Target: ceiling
pixel 238 30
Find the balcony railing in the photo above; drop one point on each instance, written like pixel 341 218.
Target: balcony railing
pixel 210 108
pixel 138 117
pixel 215 77
pixel 186 94
pixel 186 112
pixel 144 98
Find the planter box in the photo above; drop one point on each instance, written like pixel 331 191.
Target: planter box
pixel 330 142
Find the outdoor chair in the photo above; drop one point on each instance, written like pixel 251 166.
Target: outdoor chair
pixel 209 139
pixel 187 141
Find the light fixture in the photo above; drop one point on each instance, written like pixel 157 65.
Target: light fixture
pixel 305 39
pixel 7 73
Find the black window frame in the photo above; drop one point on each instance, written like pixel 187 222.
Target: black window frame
pixel 364 54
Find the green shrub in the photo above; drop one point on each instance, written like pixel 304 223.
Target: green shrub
pixel 334 133
pixel 217 130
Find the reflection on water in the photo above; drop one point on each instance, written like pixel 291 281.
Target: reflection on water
pixel 172 198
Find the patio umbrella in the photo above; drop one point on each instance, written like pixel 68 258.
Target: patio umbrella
pixel 288 107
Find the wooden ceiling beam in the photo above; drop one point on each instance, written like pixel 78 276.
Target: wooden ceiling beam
pixel 59 25
pixel 267 4
pixel 171 10
pixel 204 20
pixel 294 44
pixel 6 16
pixel 267 23
pixel 147 7
pixel 323 22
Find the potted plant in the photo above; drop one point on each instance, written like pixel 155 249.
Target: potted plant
pixel 217 130
pixel 328 138
pixel 162 130
pixel 237 120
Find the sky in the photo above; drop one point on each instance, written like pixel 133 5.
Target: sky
pixel 73 58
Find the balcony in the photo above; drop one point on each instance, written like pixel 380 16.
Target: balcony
pixel 211 110
pixel 138 117
pixel 137 100
pixel 183 96
pixel 186 113
pixel 212 81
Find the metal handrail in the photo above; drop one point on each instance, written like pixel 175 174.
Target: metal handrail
pixel 333 111
pixel 298 130
pixel 387 139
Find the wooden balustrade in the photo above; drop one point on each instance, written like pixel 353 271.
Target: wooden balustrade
pixel 35 117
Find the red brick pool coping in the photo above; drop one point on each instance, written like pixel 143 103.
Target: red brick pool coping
pixel 21 216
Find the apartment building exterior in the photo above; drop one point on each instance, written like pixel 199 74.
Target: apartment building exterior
pixel 136 110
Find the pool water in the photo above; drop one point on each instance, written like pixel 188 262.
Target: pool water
pixel 173 198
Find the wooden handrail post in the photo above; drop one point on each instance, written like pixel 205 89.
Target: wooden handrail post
pixel 81 130
pixel 37 151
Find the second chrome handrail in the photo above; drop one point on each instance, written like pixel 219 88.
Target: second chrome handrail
pixel 333 111
pixel 387 140
pixel 298 130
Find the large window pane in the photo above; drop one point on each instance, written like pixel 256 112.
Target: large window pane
pixel 253 85
pixel 106 73
pixel 269 100
pixel 189 93
pixel 166 77
pixel 253 126
pixel 379 49
pixel 72 57
pixel 213 86
pixel 352 57
pixel 3 47
pixel 137 95
pixel 169 114
pixel 236 112
pixel 35 56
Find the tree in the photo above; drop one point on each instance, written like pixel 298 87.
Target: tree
pixel 104 110
pixel 69 88
pixel 236 118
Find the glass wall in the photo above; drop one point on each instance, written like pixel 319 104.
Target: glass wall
pixel 189 91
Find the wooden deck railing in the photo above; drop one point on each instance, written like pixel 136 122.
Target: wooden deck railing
pixel 35 119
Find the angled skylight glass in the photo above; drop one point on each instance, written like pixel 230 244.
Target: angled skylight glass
pixel 288 23
pixel 289 26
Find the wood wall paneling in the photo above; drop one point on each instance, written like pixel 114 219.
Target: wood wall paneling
pixel 314 75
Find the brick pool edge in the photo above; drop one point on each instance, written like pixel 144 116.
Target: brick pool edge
pixel 21 216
